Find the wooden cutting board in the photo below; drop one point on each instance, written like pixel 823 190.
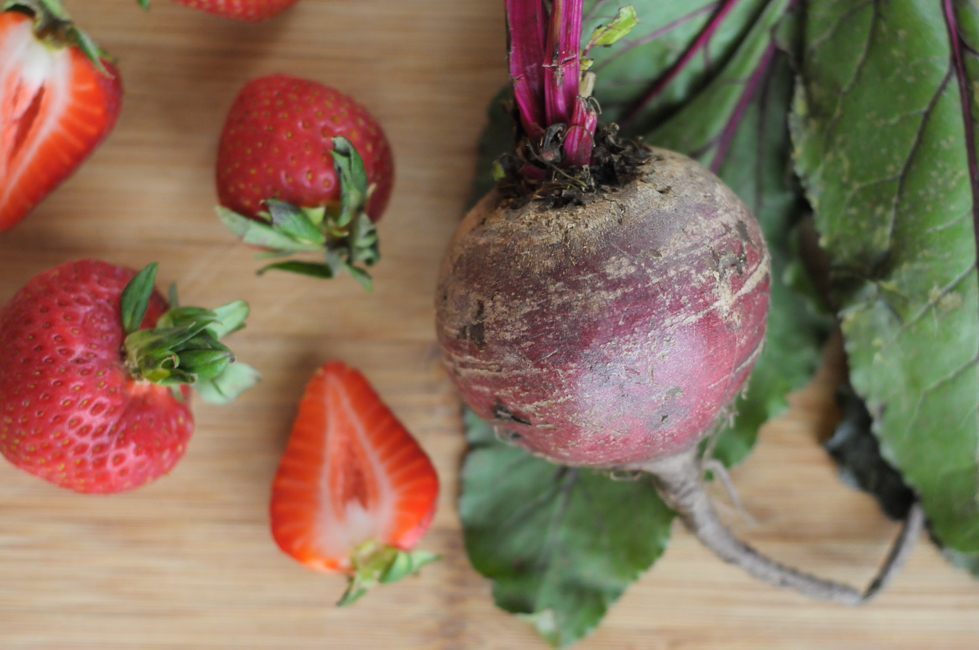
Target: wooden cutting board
pixel 188 563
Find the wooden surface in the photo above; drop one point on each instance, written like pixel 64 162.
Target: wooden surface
pixel 188 562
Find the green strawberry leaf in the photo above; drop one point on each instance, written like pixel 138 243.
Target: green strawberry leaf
pixel 560 544
pixel 229 318
pixel 361 276
pixel 375 563
pixel 267 235
pixel 350 170
pixel 293 222
pixel 406 563
pixel 183 347
pixel 229 384
pixel 235 222
pixel 136 298
pixel 309 269
pixel 737 126
pixel 884 127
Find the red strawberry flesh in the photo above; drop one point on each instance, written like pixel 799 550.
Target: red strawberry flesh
pixel 69 412
pixel 276 143
pixel 351 473
pixel 55 108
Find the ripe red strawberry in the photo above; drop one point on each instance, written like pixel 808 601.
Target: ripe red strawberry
pixel 307 147
pixel 93 400
pixel 354 491
pixel 56 105
pixel 247 10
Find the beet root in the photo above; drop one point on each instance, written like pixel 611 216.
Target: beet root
pixel 611 332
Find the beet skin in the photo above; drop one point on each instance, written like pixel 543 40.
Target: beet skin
pixel 611 333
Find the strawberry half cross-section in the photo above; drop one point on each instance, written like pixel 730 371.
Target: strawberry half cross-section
pixel 354 491
pixel 59 98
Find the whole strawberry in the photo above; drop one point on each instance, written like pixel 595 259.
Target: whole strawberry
pixel 59 98
pixel 247 10
pixel 94 375
pixel 301 167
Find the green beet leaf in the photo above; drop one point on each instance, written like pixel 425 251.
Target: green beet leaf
pixel 884 125
pixel 737 126
pixel 560 544
pixel 675 48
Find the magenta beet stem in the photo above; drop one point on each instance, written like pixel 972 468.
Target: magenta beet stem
pixel 525 22
pixel 580 139
pixel 545 65
pixel 562 74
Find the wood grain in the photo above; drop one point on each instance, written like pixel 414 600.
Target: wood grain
pixel 188 563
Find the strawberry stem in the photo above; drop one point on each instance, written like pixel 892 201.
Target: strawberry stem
pixel 375 563
pixel 53 25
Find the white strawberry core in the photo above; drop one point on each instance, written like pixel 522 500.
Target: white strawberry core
pixel 343 527
pixel 26 67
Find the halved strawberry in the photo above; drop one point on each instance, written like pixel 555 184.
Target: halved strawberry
pixel 354 491
pixel 58 99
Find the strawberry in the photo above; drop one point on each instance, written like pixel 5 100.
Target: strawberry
pixel 302 168
pixel 354 491
pixel 59 98
pixel 247 10
pixel 94 371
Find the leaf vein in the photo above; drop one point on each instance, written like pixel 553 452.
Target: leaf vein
pixel 932 302
pixel 858 70
pixel 932 388
pixel 829 33
pixel 569 479
pixel 915 145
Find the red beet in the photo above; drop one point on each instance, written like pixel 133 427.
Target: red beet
pixel 606 304
pixel 608 333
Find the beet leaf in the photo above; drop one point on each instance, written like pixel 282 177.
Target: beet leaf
pixel 633 73
pixel 560 544
pixel 884 127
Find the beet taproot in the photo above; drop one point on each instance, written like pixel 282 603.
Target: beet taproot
pixel 611 332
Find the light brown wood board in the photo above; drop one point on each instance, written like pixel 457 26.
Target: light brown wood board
pixel 188 563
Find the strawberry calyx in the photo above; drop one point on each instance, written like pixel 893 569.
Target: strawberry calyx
pixel 376 563
pixel 342 231
pixel 53 26
pixel 184 347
